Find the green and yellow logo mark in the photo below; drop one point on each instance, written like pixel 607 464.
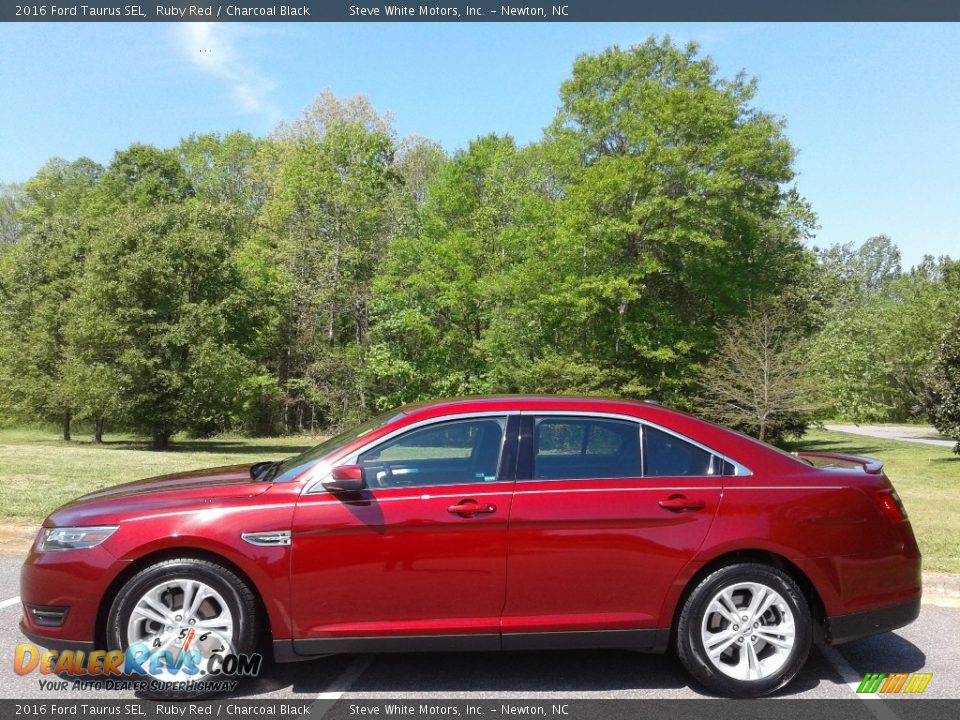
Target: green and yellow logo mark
pixel 894 682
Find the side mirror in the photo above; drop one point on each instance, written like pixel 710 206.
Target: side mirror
pixel 345 479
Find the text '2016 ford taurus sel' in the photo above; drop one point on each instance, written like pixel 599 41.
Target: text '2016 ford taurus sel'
pixel 512 523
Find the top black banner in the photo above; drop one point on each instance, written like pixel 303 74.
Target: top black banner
pixel 481 11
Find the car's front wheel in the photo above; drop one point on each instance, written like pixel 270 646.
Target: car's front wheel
pixel 176 615
pixel 744 631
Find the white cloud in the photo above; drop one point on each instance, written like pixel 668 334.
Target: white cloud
pixel 212 48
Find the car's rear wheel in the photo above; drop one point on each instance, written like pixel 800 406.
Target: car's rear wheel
pixel 177 614
pixel 744 631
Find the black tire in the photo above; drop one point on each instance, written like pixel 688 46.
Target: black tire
pixel 238 597
pixel 689 641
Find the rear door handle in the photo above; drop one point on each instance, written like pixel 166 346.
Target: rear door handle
pixel 470 507
pixel 681 503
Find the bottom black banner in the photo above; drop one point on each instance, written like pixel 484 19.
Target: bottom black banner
pixel 433 709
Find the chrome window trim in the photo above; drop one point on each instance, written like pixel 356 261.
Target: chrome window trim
pixel 505 488
pixel 739 469
pixel 316 485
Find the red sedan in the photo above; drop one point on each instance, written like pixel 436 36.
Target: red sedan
pixel 493 524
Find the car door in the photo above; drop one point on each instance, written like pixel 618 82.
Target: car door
pixel 417 560
pixel 594 541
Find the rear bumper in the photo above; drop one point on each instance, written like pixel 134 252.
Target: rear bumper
pixel 844 628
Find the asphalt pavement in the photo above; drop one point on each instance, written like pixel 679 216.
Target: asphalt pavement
pixel 928 645
pixel 923 434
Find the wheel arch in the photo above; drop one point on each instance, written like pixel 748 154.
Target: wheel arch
pixel 760 557
pixel 169 553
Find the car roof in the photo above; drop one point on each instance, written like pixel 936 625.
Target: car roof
pixel 646 409
pixel 525 402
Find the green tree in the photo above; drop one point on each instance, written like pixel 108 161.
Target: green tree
pixel 223 169
pixel 943 386
pixel 880 329
pixel 327 111
pixel 418 162
pixel 849 272
pixel 849 356
pixel 757 380
pixel 160 308
pixel 60 188
pixel 325 225
pixel 449 291
pixel 11 198
pixel 144 175
pixel 601 259
pixel 684 193
pixel 235 170
pixel 922 304
pixel 37 282
pixel 37 279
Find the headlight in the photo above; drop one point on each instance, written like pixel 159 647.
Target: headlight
pixel 74 538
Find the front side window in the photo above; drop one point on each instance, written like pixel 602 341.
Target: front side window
pixel 666 455
pixel 297 464
pixel 445 453
pixel 574 448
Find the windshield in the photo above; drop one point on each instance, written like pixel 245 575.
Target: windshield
pixel 293 466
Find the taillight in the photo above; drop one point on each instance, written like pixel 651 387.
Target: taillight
pixel 892 505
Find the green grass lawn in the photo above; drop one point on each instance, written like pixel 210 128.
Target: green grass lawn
pixel 927 478
pixel 38 473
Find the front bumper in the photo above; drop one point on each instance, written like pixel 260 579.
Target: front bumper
pixel 73 580
pixel 55 643
pixel 845 628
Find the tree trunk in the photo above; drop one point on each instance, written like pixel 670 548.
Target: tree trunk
pixel 67 417
pixel 161 440
pixel 98 429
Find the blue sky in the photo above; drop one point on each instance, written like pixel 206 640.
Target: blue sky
pixel 873 108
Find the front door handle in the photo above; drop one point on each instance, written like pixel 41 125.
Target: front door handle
pixel 681 503
pixel 470 507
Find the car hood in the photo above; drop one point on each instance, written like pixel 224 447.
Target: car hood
pixel 227 481
pixel 195 486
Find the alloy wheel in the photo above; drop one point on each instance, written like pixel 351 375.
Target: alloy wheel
pixel 748 631
pixel 182 615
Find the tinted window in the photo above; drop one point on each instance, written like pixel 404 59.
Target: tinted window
pixel 585 448
pixel 294 466
pixel 460 451
pixel 666 455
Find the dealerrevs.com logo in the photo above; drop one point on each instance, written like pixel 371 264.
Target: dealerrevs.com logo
pixel 139 668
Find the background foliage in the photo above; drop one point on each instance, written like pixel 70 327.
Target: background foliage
pixel 310 278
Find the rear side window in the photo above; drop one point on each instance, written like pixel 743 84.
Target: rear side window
pixel 666 455
pixel 573 448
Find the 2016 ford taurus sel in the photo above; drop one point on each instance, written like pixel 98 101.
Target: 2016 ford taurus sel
pixel 511 523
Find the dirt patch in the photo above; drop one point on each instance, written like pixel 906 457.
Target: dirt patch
pixel 15 539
